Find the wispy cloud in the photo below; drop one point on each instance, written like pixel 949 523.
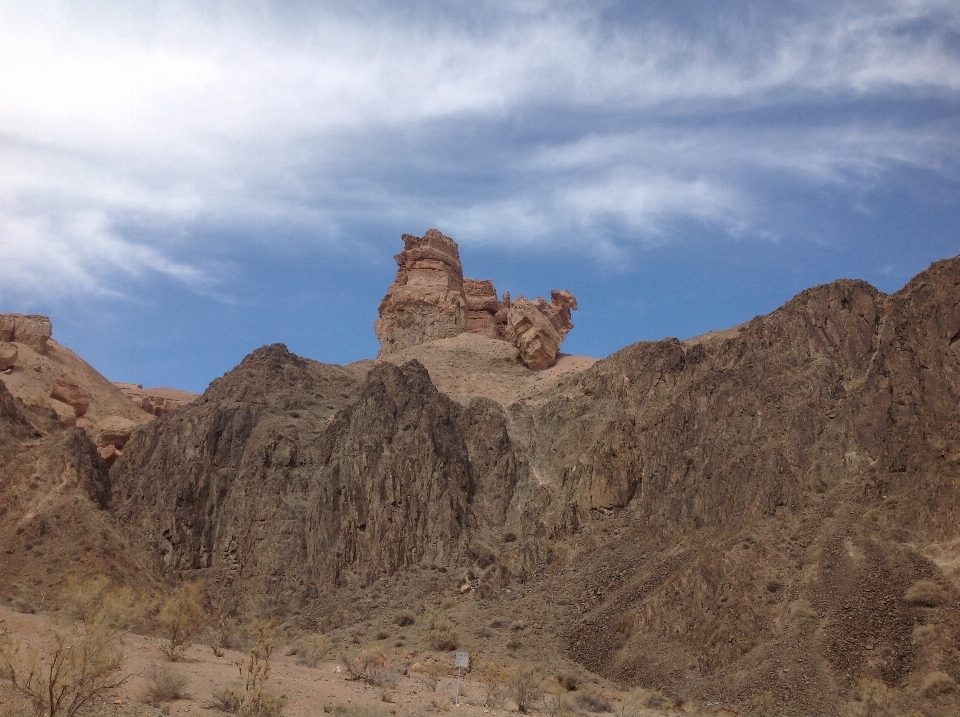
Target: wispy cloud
pixel 126 132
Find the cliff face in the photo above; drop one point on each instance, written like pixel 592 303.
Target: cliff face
pixel 738 514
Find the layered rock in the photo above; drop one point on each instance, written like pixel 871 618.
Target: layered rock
pixel 426 299
pixel 482 307
pixel 537 328
pixel 29 329
pixel 430 299
pixel 156 401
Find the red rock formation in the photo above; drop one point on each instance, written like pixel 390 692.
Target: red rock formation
pixel 431 299
pixel 482 307
pixel 426 299
pixel 537 328
pixel 31 330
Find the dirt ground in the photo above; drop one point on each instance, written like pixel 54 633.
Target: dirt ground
pixel 406 689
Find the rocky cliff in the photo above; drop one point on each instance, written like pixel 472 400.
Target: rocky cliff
pixel 742 514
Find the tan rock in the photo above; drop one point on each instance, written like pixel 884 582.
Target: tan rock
pixel 29 329
pixel 426 299
pixel 109 453
pixel 537 328
pixel 70 394
pixel 482 307
pixel 156 401
pixel 8 355
pixel 114 430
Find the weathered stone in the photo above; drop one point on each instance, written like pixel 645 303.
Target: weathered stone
pixel 113 430
pixel 29 329
pixel 431 299
pixel 538 328
pixel 109 453
pixel 482 307
pixel 8 355
pixel 156 401
pixel 425 301
pixel 70 394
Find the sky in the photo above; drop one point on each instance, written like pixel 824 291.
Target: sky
pixel 183 182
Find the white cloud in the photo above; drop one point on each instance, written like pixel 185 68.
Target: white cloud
pixel 120 118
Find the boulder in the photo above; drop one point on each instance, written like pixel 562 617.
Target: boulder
pixel 8 355
pixel 426 300
pixel 109 453
pixel 114 430
pixel 537 328
pixel 70 394
pixel 29 329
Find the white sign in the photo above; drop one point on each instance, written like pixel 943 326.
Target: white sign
pixel 462 659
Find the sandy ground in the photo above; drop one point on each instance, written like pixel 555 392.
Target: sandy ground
pixel 308 691
pixel 34 374
pixel 468 365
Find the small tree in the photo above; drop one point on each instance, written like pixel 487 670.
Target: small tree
pixel 73 670
pixel 181 619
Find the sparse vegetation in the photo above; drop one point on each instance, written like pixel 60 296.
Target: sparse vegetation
pixel 310 650
pixel 442 635
pixel 591 702
pixel 367 664
pixel 163 685
pixel 926 593
pixel 73 670
pixel 525 688
pixel 937 683
pixel 181 619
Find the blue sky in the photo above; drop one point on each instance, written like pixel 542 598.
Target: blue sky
pixel 181 183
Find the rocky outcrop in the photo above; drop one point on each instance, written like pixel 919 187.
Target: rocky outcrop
pixel 70 394
pixel 537 328
pixel 155 401
pixel 482 307
pixel 29 329
pixel 430 299
pixel 294 475
pixel 426 299
pixel 8 355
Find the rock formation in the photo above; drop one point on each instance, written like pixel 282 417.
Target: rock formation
pixel 425 300
pixel 722 518
pixel 430 299
pixel 156 401
pixel 537 328
pixel 29 329
pixel 70 394
pixel 8 355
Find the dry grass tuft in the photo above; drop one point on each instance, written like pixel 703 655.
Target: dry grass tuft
pixel 926 593
pixel 163 685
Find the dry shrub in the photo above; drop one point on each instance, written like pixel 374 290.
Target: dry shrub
pixel 311 649
pixel 254 672
pixel 924 634
pixel 181 619
pixel 495 678
pixel 72 670
pixel 404 619
pixel 872 698
pixel 229 700
pixel 368 665
pixel 430 674
pixel 442 635
pixel 592 703
pixel 926 593
pixel 937 683
pixel 163 685
pixel 525 688
pixel 569 682
pixel 218 634
pixel 97 601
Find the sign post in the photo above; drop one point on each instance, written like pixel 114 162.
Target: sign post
pixel 461 660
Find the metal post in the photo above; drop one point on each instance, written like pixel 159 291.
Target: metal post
pixel 457 700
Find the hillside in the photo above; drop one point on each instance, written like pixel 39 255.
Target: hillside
pixel 742 518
